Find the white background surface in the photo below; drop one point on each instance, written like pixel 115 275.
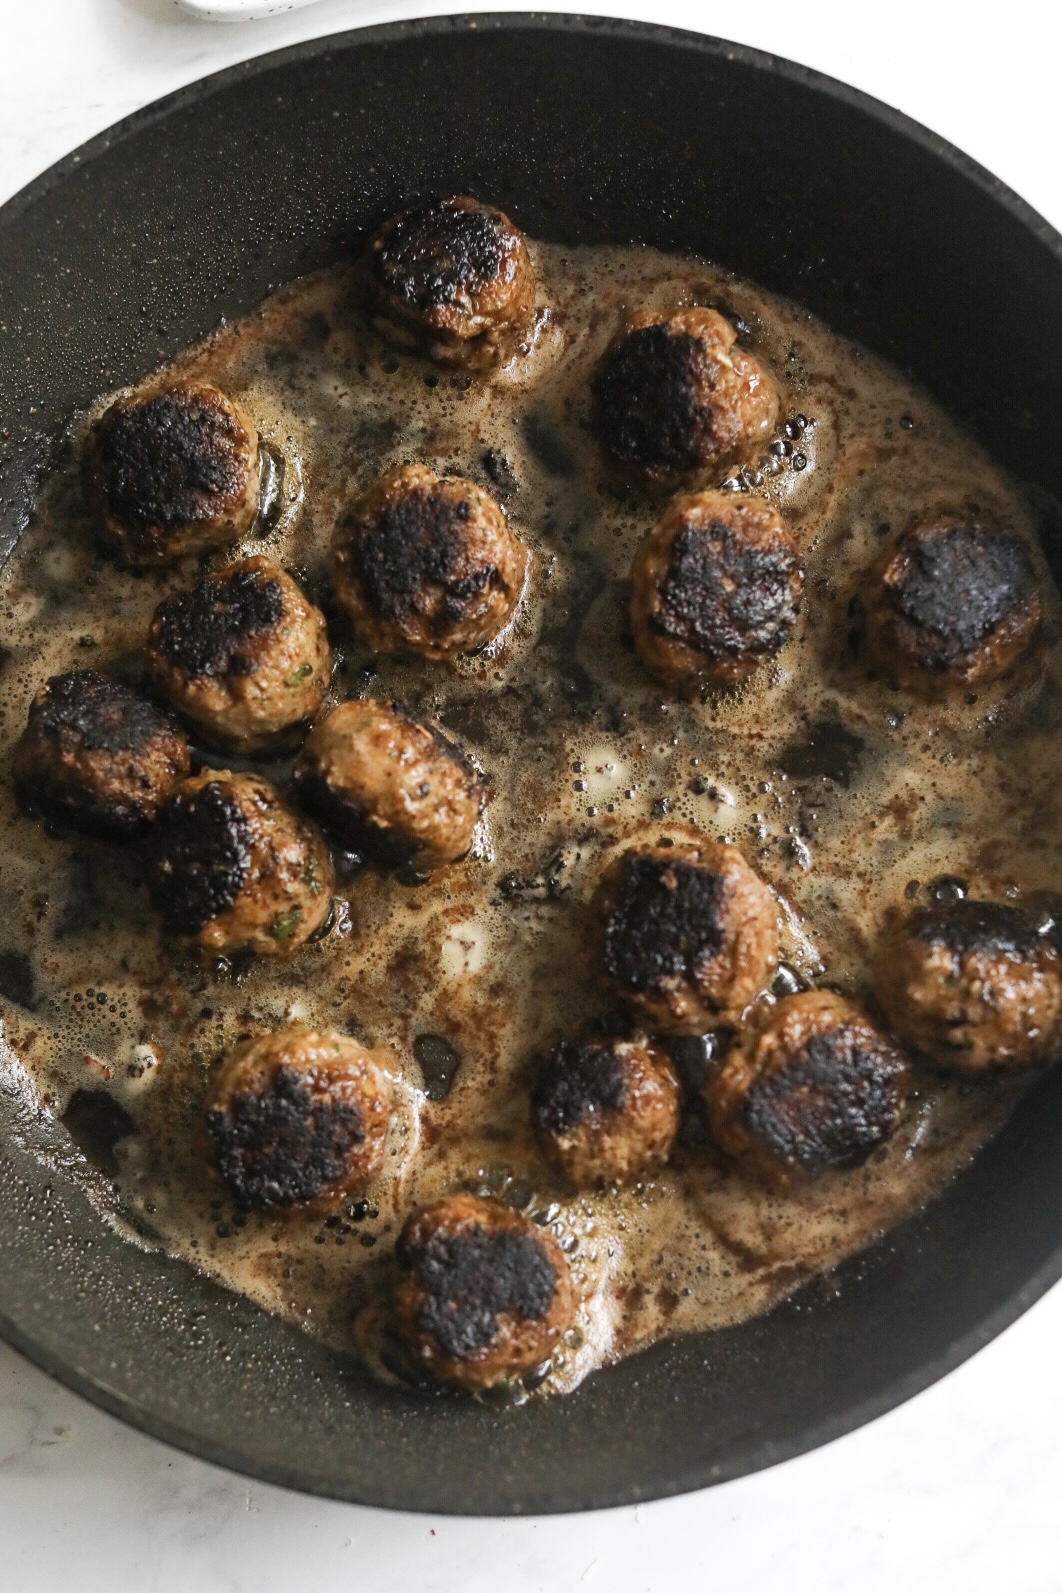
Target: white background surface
pixel 960 1491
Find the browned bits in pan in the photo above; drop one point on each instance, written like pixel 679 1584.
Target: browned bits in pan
pixel 606 1110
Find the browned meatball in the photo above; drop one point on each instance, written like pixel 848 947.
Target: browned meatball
pixel 298 1119
pixel 244 656
pixel 813 1087
pixel 389 787
pixel 482 1294
pixel 687 935
pixel 674 393
pixel 235 869
pixel 172 472
pixel 454 279
pixel 715 589
pixel 427 564
pixel 97 755
pixel 973 986
pixel 956 604
pixel 605 1110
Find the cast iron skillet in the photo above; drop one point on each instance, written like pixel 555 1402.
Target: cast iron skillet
pixel 585 131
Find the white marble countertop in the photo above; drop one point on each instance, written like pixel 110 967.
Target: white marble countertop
pixel 958 1491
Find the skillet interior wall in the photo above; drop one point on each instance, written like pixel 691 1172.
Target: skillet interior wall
pixel 588 132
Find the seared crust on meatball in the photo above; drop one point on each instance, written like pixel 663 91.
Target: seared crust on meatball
pixel 605 1110
pixel 427 564
pixel 956 604
pixel 687 935
pixel 244 656
pixel 815 1086
pixel 481 1295
pixel 389 787
pixel 235 869
pixel 298 1119
pixel 172 472
pixel 715 589
pixel 973 986
pixel 453 279
pixel 675 393
pixel 97 755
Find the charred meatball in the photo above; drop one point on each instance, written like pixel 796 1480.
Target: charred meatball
pixel 606 1110
pixel 97 755
pixel 814 1087
pixel 427 564
pixel 687 934
pixel 715 589
pixel 298 1119
pixel 244 656
pixel 395 790
pixel 956 604
pixel 453 279
pixel 482 1294
pixel 172 472
pixel 973 986
pixel 675 393
pixel 235 869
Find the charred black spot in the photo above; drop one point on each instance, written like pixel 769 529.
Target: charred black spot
pixel 212 629
pixel 836 1100
pixel 171 460
pixel 284 1145
pixel 415 543
pixel 202 857
pixel 471 1277
pixel 17 983
pixel 95 1123
pixel 86 712
pixel 959 583
pixel 827 750
pixel 725 597
pixel 442 254
pixel 666 922
pixel 966 926
pixel 580 1082
pixel 439 1062
pixel 653 391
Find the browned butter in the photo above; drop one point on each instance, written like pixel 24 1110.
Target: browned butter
pixel 848 797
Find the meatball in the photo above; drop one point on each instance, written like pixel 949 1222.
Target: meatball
pixel 243 656
pixel 172 472
pixel 389 787
pixel 955 604
pixel 605 1110
pixel 814 1087
pixel 973 986
pixel 97 755
pixel 298 1119
pixel 427 564
pixel 674 393
pixel 454 279
pixel 235 869
pixel 481 1295
pixel 687 934
pixel 715 589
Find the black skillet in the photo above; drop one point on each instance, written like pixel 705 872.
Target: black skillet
pixel 584 131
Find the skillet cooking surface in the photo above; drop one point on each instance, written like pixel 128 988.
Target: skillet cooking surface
pixel 585 132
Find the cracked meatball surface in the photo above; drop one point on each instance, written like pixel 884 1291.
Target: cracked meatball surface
pixel 973 986
pixel 606 1110
pixel 715 589
pixel 389 787
pixel 172 472
pixel 235 869
pixel 675 393
pixel 956 605
pixel 453 279
pixel 427 564
pixel 298 1119
pixel 481 1293
pixel 686 935
pixel 812 1087
pixel 97 755
pixel 243 656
